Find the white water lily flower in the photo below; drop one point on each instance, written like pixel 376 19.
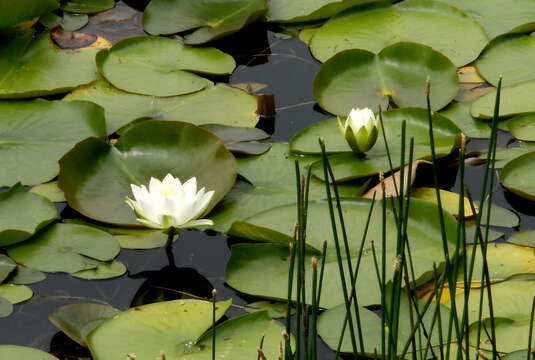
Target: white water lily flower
pixel 360 129
pixel 169 203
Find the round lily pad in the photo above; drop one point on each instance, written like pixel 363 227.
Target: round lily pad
pixel 522 127
pixel 210 19
pixel 510 56
pixel 222 104
pixel 307 10
pixel 374 26
pixel 103 270
pixel 73 22
pixel 22 214
pixel 87 6
pixel 15 293
pixel 49 190
pixel 160 66
pixel 358 78
pixel 35 66
pixel 44 131
pixel 148 149
pixel 524 238
pixel 66 248
pixel 6 308
pixel 514 100
pixel 518 174
pixel 13 12
pixel 22 352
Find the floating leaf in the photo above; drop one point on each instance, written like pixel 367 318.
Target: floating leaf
pixel 307 10
pixel 509 56
pixel 50 191
pixel 523 238
pixel 358 78
pixel 65 248
pixel 209 20
pixel 221 103
pixel 170 327
pixel 515 99
pixel 25 276
pixel 87 6
pixel 78 320
pixel 262 269
pixel 103 270
pixel 241 140
pixel 35 134
pixel 517 176
pixel 22 214
pixel 15 293
pixel 6 308
pixel 35 66
pixel 22 352
pixel 73 22
pixel 522 127
pixel 495 17
pixel 459 114
pixel 158 66
pixel 374 26
pixel 6 267
pixel 275 309
pixel 13 12
pixel 148 149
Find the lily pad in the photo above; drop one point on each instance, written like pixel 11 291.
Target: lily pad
pixel 103 270
pixel 22 214
pixel 22 352
pixel 6 267
pixel 515 99
pixel 241 140
pixel 459 114
pixel 169 327
pixel 275 309
pixel 73 22
pixel 221 103
pixel 509 56
pixel 263 190
pixel 65 248
pixel 523 238
pixel 15 293
pixel 496 18
pixel 87 6
pixel 44 131
pixel 522 127
pixel 50 191
pixel 35 66
pixel 359 78
pixel 374 26
pixel 262 269
pixel 159 66
pixel 517 176
pixel 13 12
pixel 307 10
pixel 78 320
pixel 24 276
pixel 148 149
pixel 209 20
pixel 6 309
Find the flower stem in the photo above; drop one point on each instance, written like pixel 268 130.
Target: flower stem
pixel 169 245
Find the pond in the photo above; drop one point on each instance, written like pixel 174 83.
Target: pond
pixel 94 251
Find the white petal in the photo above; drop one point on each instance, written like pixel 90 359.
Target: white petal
pixel 155 186
pixel 190 187
pixel 202 202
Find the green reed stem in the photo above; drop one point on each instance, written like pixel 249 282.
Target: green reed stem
pixel 214 296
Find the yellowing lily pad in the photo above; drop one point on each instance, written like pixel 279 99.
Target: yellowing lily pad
pixel 22 352
pixel 15 293
pixel 160 66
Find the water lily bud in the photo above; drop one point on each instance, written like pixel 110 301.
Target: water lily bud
pixel 360 130
pixel 169 203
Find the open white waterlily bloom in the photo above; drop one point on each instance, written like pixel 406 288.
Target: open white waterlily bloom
pixel 360 129
pixel 169 203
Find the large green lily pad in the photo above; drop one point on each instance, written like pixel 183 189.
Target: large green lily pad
pixel 210 19
pixel 262 269
pixel 522 127
pixel 517 176
pixel 87 6
pixel 13 12
pixel 307 10
pixel 22 214
pixel 359 78
pixel 34 66
pixel 515 99
pixel 159 66
pixel 459 114
pixel 96 176
pixel 496 18
pixel 270 183
pixel 35 134
pixel 510 56
pixel 65 248
pixel 220 104
pixel 22 352
pixel 348 166
pixel 375 26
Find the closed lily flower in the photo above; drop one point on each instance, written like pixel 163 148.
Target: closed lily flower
pixel 170 204
pixel 360 129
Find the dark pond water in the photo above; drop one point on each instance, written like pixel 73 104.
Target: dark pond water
pixel 287 68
